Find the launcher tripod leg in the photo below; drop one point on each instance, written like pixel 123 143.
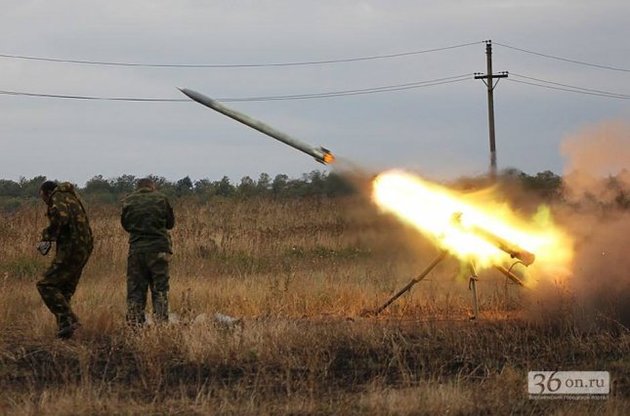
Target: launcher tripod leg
pixel 472 285
pixel 421 276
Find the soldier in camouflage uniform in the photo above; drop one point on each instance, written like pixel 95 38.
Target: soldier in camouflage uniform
pixel 147 216
pixel 70 229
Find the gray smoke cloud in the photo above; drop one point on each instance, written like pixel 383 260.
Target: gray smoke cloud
pixel 594 155
pixel 597 214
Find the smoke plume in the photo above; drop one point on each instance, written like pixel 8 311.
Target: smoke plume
pixel 597 163
pixel 597 214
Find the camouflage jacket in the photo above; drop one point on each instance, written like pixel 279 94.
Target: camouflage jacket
pixel 147 216
pixel 69 225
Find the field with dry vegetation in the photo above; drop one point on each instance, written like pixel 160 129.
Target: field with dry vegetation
pixel 298 272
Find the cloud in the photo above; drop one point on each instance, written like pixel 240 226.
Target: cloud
pixel 442 129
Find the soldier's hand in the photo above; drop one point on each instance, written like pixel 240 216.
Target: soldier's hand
pixel 44 247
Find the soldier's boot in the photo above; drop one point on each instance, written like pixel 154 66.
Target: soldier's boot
pixel 160 306
pixel 66 332
pixel 67 323
pixel 57 303
pixel 135 314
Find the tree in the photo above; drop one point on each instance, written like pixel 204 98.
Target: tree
pixel 98 185
pixel 247 187
pixel 337 185
pixel 264 184
pixel 30 188
pixel 10 188
pixel 204 187
pixel 279 184
pixel 297 187
pixel 316 181
pixel 224 187
pixel 124 184
pixel 184 186
pixel 163 185
pixel 546 183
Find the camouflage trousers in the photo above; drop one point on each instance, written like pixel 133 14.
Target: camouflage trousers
pixel 147 271
pixel 59 283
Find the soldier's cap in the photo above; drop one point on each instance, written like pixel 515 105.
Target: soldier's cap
pixel 48 186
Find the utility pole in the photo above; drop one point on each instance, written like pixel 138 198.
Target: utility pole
pixel 488 79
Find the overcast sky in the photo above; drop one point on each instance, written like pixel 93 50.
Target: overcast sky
pixel 440 131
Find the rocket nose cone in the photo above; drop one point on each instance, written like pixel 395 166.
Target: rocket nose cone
pixel 200 98
pixel 185 91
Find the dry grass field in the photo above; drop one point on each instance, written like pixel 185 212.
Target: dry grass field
pixel 299 273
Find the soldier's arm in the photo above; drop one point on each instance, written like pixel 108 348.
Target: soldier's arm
pixel 170 216
pixel 124 217
pixel 58 214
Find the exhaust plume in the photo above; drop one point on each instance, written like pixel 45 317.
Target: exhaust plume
pixel 597 213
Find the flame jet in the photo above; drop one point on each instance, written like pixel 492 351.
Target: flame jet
pixel 474 230
pixel 320 154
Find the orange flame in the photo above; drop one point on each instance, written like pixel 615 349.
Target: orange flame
pixel 453 220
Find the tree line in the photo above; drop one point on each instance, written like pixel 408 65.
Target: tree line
pixel 111 190
pixel 99 189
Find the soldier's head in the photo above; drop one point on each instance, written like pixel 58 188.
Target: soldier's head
pixel 146 183
pixel 46 189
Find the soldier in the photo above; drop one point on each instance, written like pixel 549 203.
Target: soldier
pixel 147 216
pixel 70 229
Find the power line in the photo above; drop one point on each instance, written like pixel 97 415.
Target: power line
pixel 390 88
pixel 559 58
pixel 568 88
pixel 253 65
pixel 86 97
pixel 329 94
pixel 332 94
pixel 589 90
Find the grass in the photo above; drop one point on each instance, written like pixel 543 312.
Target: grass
pixel 299 273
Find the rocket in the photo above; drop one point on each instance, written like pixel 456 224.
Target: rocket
pixel 320 154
